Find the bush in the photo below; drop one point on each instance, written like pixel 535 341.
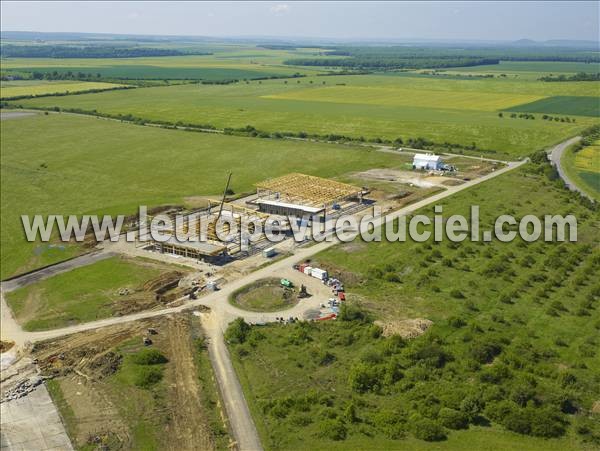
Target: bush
pixel 485 352
pixel 391 423
pixel 453 419
pixel 457 294
pixel 149 357
pixel 146 376
pixel 428 430
pixel 364 378
pixel 238 331
pixel 333 429
pixel 352 313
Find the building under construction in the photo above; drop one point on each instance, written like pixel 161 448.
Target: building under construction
pixel 305 195
pixel 293 194
pixel 201 226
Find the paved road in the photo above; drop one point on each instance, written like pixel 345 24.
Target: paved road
pixel 222 313
pixel 556 154
pixel 10 329
pixel 44 273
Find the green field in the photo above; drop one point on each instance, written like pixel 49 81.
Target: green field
pixel 66 164
pixel 225 64
pixel 140 72
pixel 567 105
pixel 266 295
pixel 511 360
pixel 81 295
pixel 43 87
pixel 385 106
pixel 528 69
pixel 583 167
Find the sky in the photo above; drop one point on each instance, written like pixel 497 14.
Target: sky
pixel 485 20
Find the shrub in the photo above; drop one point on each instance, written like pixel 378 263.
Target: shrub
pixel 428 430
pixel 457 294
pixel 486 351
pixel 364 378
pixel 146 376
pixel 352 313
pixel 149 357
pixel 332 429
pixel 237 332
pixel 453 419
pixel 391 422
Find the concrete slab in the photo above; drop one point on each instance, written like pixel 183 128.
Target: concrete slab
pixel 32 423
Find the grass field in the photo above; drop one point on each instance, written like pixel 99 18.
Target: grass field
pixel 387 106
pixel 65 164
pixel 512 322
pixel 42 87
pixel 83 294
pixel 567 105
pixel 265 295
pixel 583 167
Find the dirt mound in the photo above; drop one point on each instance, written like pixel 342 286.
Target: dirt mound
pixel 163 282
pixel 596 407
pixel 408 328
pixel 6 345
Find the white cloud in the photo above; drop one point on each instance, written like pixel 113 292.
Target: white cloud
pixel 280 8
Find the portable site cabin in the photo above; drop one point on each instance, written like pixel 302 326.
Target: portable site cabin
pixel 318 273
pixel 427 162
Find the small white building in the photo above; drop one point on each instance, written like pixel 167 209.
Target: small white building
pixel 427 161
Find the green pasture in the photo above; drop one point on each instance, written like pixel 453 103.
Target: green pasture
pixel 65 164
pixel 385 106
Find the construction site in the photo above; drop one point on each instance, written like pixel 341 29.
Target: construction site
pixel 215 231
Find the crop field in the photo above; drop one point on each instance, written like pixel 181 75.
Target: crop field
pixel 576 105
pixel 511 323
pixel 392 96
pixel 223 65
pixel 529 69
pixel 385 106
pixel 583 167
pixel 140 72
pixel 39 87
pixel 84 294
pixel 66 164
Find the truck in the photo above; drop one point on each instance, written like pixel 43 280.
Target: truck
pixel 286 283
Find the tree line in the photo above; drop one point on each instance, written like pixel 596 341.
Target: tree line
pixel 68 51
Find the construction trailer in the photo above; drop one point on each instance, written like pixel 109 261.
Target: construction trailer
pixel 304 195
